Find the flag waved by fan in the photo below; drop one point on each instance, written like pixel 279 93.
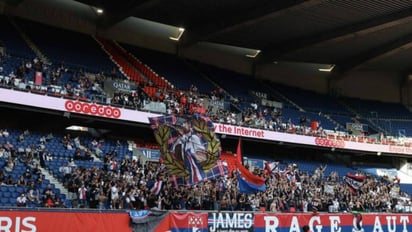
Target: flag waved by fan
pixel 247 181
pixel 190 149
pixel 354 182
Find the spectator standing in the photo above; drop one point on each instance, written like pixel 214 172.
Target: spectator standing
pixel 82 194
pixel 114 193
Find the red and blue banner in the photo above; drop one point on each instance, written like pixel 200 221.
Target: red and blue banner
pixel 286 222
pixel 212 221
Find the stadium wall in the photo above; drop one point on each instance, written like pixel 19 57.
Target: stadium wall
pixel 142 33
pixel 2 6
pixel 306 76
pixel 383 86
pixel 225 57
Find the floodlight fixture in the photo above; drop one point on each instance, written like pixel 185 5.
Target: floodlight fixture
pixel 99 11
pixel 329 69
pixel 180 30
pixel 253 55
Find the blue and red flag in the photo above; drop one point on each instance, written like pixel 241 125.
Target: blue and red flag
pixel 247 181
pixel 249 187
pixel 354 182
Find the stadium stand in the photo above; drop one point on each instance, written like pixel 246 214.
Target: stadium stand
pixel 13 42
pixel 112 162
pixel 176 71
pixel 63 47
pixel 105 175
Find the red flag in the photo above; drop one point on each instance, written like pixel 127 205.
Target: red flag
pixel 244 172
pixel 250 177
pixel 354 182
pixel 239 151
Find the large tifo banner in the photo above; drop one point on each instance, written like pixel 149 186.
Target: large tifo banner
pixel 116 113
pixel 190 148
pixel 271 222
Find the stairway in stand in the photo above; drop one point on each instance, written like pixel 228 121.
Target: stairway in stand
pixel 31 44
pixel 54 181
pixel 125 67
pixel 155 78
pixel 133 68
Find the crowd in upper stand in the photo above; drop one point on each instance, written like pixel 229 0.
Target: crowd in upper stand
pixel 126 182
pixel 59 80
pixel 63 81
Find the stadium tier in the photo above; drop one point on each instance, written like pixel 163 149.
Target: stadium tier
pixel 277 102
pixel 187 165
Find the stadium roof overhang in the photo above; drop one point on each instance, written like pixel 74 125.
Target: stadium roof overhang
pixel 360 35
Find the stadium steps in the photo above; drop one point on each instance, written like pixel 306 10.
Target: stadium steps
pixel 30 43
pixel 124 66
pixel 143 68
pixel 281 96
pixel 54 181
pixel 372 124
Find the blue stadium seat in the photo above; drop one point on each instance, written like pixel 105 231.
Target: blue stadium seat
pixel 68 203
pixel 12 200
pixel 14 195
pixel 4 189
pixel 11 188
pixel 6 194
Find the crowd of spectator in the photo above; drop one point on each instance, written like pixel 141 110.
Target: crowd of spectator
pixel 32 179
pixel 54 79
pixel 128 184
pixel 124 182
pixel 61 80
